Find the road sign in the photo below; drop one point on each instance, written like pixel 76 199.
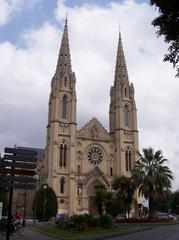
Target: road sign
pixel 9 178
pixel 4 164
pixel 17 171
pixel 20 158
pixel 20 151
pixel 19 186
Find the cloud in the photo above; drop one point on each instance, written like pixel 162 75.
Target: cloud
pixel 10 7
pixel 26 73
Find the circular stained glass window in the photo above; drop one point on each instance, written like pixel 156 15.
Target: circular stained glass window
pixel 95 155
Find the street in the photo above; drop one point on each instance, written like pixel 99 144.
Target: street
pixel 170 232
pixel 159 233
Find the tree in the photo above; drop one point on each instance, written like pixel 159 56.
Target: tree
pixel 3 197
pixel 164 204
pixel 124 187
pixel 175 203
pixel 45 203
pixel 151 176
pixel 103 197
pixel 168 26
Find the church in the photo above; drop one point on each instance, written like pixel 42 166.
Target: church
pixel 79 160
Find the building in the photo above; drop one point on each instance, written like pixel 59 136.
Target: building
pixel 78 161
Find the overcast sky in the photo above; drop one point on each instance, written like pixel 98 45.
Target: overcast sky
pixel 30 35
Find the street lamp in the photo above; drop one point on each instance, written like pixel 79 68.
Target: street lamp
pixel 36 177
pixel 45 201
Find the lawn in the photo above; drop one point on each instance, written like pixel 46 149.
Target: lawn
pixel 71 234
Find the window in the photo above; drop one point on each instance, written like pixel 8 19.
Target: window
pixel 62 185
pixel 64 107
pixel 130 166
pixel 63 155
pixel 78 169
pixel 128 159
pixel 111 171
pixel 65 81
pixel 126 116
pixel 125 90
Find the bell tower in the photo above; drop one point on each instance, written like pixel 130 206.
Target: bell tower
pixel 123 117
pixel 61 129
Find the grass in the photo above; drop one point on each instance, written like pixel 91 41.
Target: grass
pixel 71 234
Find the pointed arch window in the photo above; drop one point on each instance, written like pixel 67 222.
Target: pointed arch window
pixel 65 81
pixel 62 185
pixel 63 155
pixel 125 91
pixel 111 171
pixel 64 107
pixel 126 116
pixel 128 159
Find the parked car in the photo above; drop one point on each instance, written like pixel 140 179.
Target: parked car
pixel 121 216
pixel 61 217
pixel 161 216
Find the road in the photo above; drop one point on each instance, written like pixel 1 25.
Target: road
pixel 170 232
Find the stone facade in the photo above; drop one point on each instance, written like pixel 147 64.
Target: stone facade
pixel 77 161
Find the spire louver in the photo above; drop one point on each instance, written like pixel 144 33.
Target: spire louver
pixel 64 59
pixel 121 75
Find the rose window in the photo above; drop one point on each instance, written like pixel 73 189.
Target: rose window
pixel 95 155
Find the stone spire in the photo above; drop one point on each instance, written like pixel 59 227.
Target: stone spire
pixel 121 75
pixel 64 59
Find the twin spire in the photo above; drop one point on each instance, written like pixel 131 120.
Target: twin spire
pixel 121 75
pixel 64 59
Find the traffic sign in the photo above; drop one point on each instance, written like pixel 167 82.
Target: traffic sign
pixel 9 178
pixel 19 186
pixel 20 151
pixel 17 171
pixel 17 165
pixel 20 158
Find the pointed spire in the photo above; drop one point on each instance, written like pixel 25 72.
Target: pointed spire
pixel 64 59
pixel 121 75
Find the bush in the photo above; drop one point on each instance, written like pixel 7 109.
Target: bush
pixel 105 221
pixel 82 222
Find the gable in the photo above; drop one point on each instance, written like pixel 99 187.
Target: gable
pixel 94 130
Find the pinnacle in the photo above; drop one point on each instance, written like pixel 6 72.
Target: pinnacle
pixel 121 75
pixel 64 59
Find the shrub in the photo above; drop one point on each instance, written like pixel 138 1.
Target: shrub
pixel 105 221
pixel 82 222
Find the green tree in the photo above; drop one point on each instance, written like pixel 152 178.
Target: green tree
pixel 124 187
pixel 168 25
pixel 3 197
pixel 175 203
pixel 151 176
pixel 45 203
pixel 164 204
pixel 103 197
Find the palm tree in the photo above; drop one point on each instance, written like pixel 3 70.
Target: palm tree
pixel 124 187
pixel 151 176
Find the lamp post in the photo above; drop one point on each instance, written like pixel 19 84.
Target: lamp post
pixel 45 201
pixel 36 177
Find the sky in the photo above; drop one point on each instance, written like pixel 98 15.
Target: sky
pixel 30 36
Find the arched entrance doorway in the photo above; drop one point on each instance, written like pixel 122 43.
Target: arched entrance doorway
pixel 92 201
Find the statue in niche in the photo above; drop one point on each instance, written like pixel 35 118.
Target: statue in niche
pixel 95 132
pixel 79 189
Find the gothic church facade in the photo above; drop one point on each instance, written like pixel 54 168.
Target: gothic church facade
pixel 78 161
